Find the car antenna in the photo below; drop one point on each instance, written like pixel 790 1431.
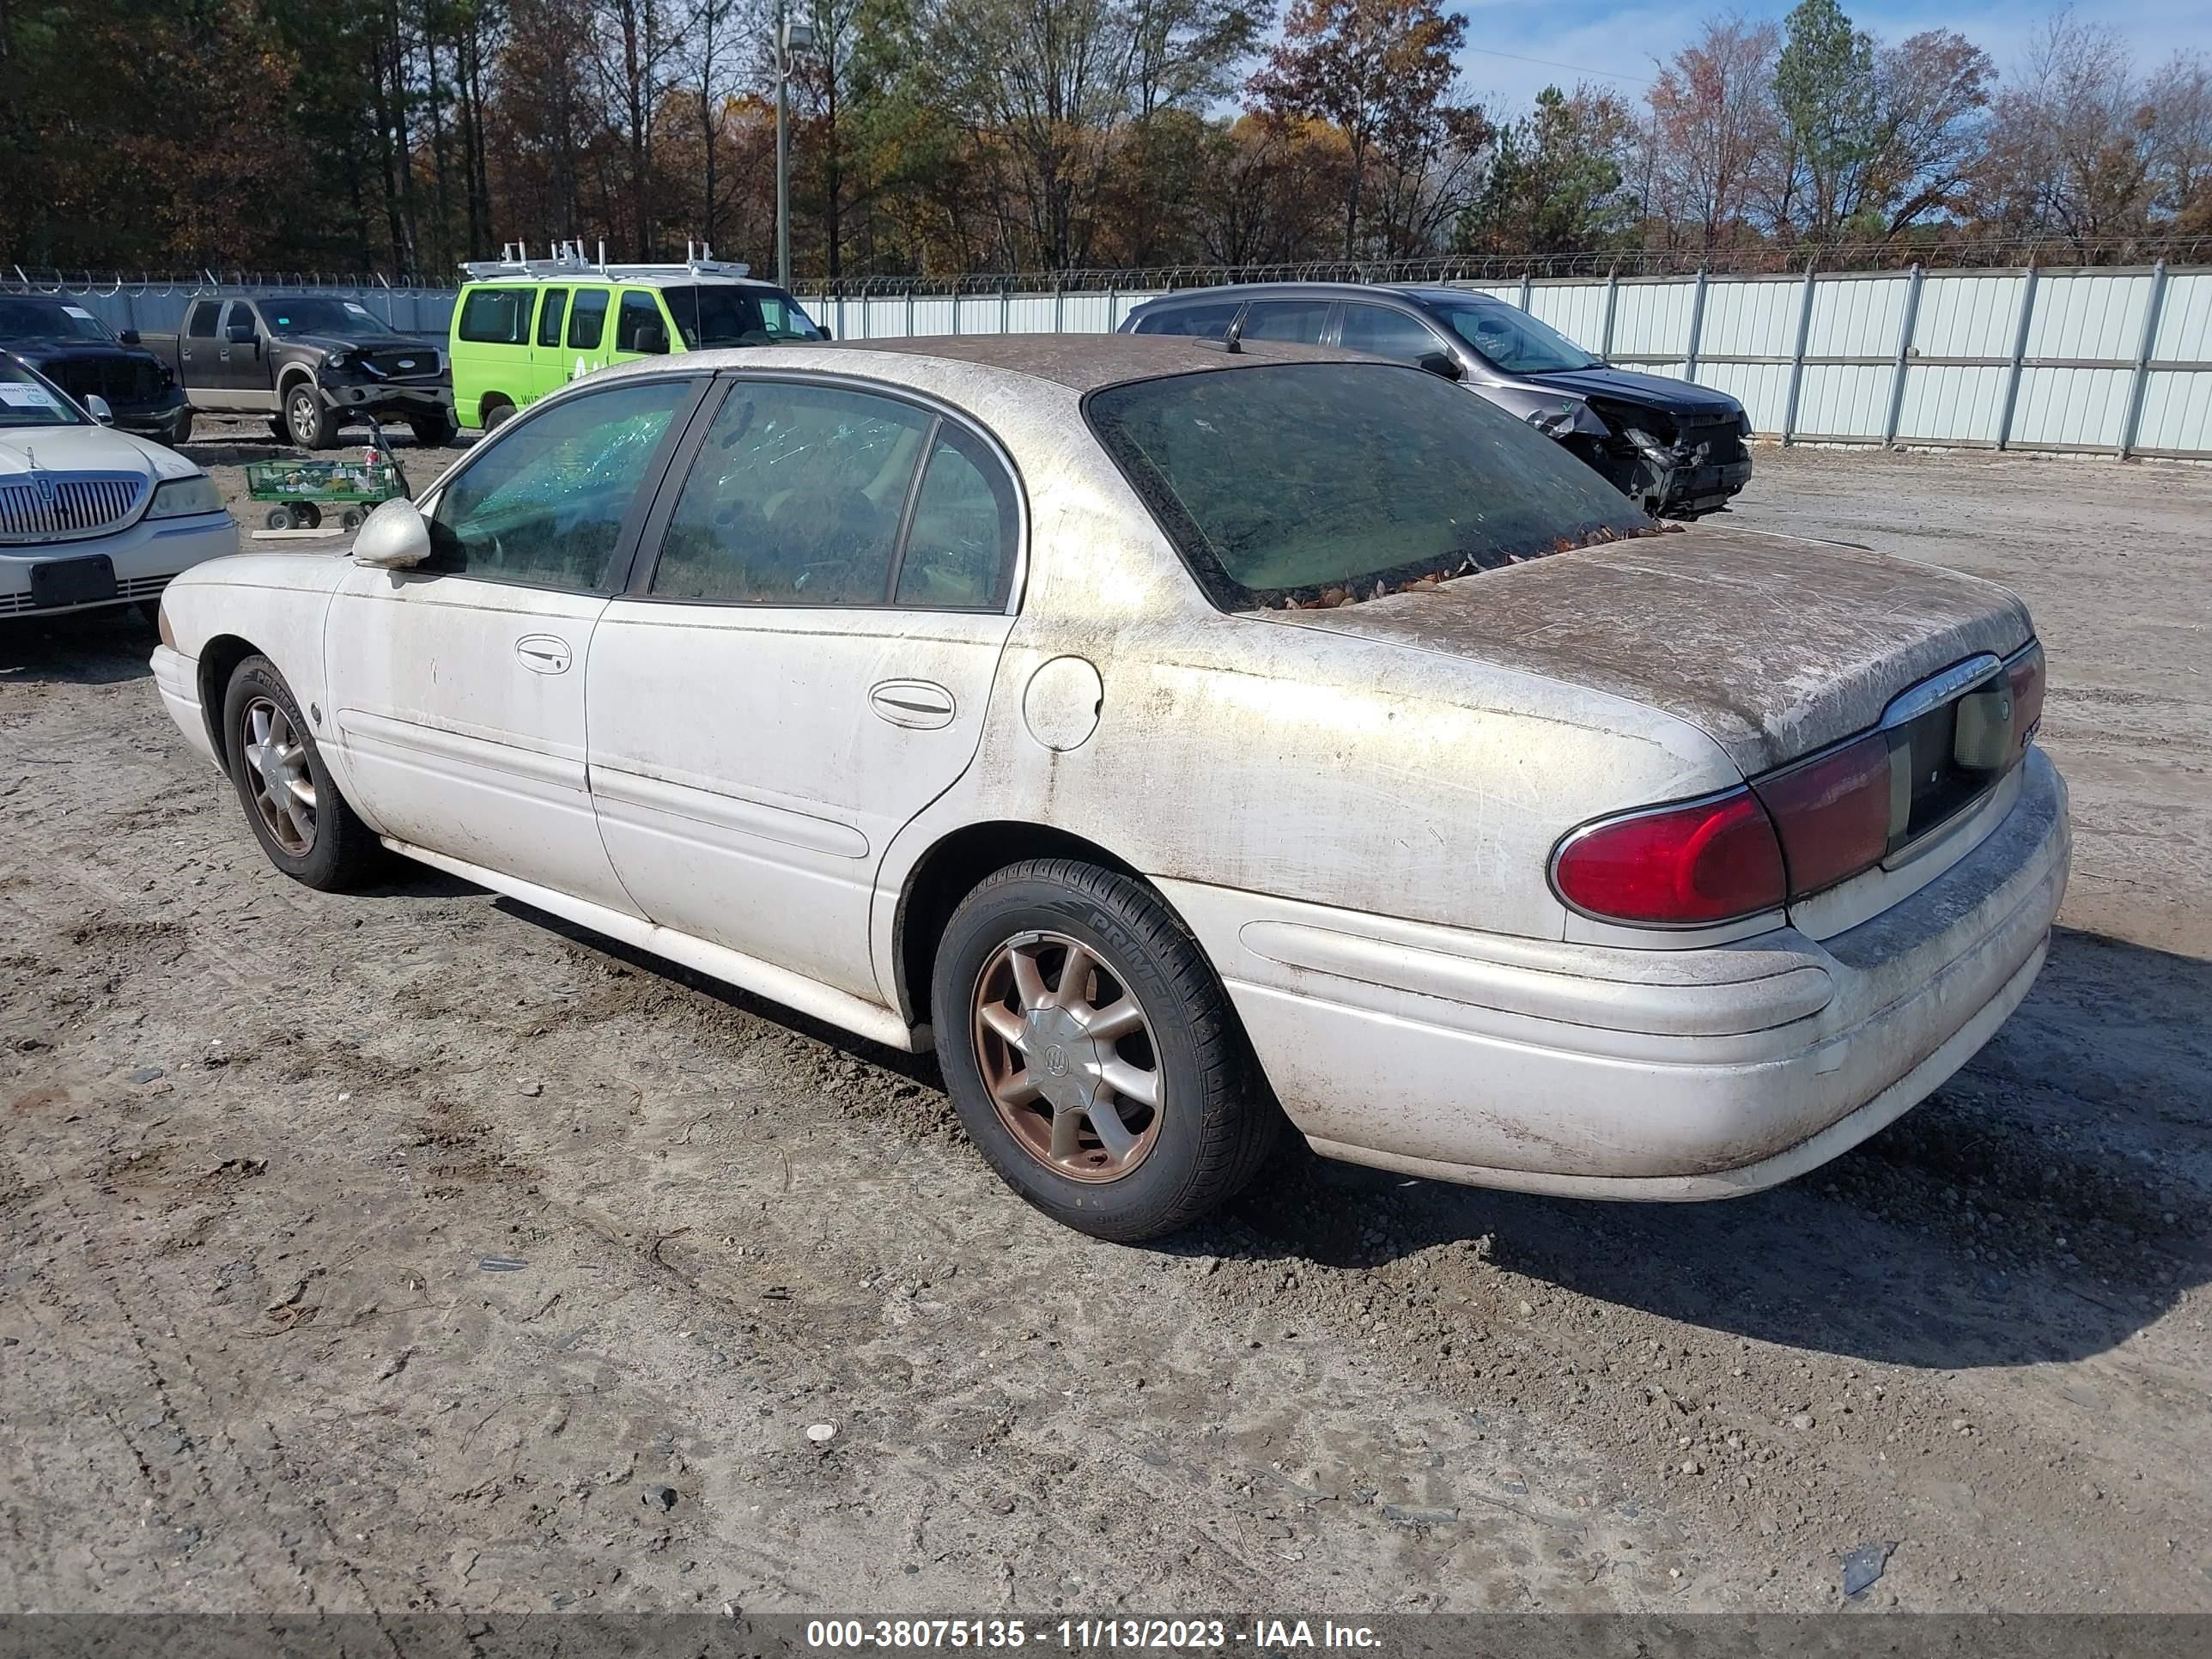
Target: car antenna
pixel 1232 341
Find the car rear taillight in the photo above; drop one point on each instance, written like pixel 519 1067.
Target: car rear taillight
pixel 2025 674
pixel 1833 813
pixel 1705 861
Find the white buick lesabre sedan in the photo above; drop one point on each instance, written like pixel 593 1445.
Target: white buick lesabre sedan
pixel 1185 741
pixel 90 516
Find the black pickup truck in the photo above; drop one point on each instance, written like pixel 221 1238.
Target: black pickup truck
pixel 311 363
pixel 85 358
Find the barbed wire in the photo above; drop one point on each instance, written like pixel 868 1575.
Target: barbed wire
pixel 2044 252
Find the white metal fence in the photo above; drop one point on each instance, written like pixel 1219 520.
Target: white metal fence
pixel 2116 361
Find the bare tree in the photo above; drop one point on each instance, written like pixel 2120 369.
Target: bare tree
pixel 1715 130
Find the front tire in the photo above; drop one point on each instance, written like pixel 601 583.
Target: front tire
pixel 306 422
pixel 1092 1054
pixel 433 431
pixel 305 826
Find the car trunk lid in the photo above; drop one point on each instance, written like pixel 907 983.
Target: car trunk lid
pixel 1773 645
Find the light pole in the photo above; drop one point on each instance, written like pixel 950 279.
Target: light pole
pixel 788 34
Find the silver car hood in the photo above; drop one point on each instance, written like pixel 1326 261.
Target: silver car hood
pixel 1773 646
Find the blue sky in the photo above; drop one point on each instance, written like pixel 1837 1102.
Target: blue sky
pixel 1622 37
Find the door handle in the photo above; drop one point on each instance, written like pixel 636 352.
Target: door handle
pixel 923 705
pixel 542 654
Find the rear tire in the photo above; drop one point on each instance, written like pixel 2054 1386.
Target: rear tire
pixel 305 826
pixel 278 518
pixel 1158 1164
pixel 306 422
pixel 497 416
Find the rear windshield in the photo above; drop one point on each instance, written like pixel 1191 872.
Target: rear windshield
pixel 1307 482
pixel 718 314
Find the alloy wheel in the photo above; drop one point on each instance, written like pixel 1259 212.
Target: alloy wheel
pixel 1068 1057
pixel 278 776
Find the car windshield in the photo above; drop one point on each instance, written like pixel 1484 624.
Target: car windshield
pixel 721 314
pixel 50 319
pixel 1516 342
pixel 1319 484
pixel 320 315
pixel 27 400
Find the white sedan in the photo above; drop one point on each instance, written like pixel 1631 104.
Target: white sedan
pixel 1187 742
pixel 90 516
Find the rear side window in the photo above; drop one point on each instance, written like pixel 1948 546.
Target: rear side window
pixel 202 326
pixel 1206 322
pixel 1299 321
pixel 588 320
pixel 959 553
pixel 1292 483
pixel 638 327
pixel 545 504
pixel 550 310
pixel 497 316
pixel 796 498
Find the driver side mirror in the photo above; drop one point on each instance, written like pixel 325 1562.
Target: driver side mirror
pixel 96 406
pixel 1440 363
pixel 394 537
pixel 241 334
pixel 129 337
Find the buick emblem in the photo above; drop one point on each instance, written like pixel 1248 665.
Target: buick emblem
pixel 1055 1060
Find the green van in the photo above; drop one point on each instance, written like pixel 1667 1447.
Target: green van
pixel 523 328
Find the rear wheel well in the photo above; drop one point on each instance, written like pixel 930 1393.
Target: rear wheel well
pixel 490 401
pixel 951 871
pixel 219 660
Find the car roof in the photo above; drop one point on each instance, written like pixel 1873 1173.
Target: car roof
pixel 599 278
pixel 1429 293
pixel 1082 363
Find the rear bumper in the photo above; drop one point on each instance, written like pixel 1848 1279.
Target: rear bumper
pixel 1605 1072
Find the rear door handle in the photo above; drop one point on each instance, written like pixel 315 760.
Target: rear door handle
pixel 542 654
pixel 923 705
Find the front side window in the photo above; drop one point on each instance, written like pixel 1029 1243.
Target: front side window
pixel 545 503
pixel 1387 333
pixel 1281 484
pixel 239 315
pixel 497 316
pixel 588 320
pixel 1206 322
pixel 724 315
pixel 638 327
pixel 550 310
pixel 1512 340
pixel 796 498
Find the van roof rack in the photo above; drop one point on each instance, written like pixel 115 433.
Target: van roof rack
pixel 567 260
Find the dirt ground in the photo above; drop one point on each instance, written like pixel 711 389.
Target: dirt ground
pixel 414 1251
